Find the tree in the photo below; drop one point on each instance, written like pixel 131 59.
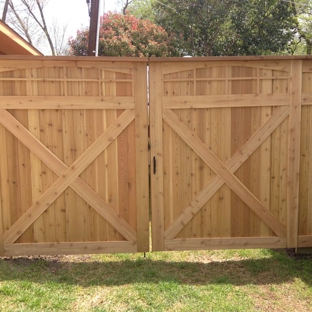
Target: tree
pixel 126 35
pixel 302 10
pixel 5 10
pixel 125 5
pixel 27 17
pixel 142 9
pixel 198 24
pixel 263 27
pixel 223 27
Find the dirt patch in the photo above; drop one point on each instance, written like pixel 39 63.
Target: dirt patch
pixel 304 255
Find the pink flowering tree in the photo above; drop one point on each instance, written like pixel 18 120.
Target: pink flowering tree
pixel 126 35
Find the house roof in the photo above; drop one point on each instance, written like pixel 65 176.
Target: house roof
pixel 11 43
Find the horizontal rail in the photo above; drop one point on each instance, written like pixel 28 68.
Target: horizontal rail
pixel 225 243
pixel 68 248
pixel 239 100
pixel 66 102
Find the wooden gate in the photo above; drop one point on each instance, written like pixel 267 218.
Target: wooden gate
pixel 73 158
pixel 225 139
pixel 230 159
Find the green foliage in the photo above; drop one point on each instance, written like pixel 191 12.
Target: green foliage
pixel 126 35
pixel 142 9
pixel 223 27
pixel 200 25
pixel 302 10
pixel 262 26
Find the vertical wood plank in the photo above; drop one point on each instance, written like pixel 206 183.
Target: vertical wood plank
pixel 1 198
pixel 305 203
pixel 225 212
pixel 5 217
pixel 157 184
pixel 101 176
pixel 69 158
pixel 1 228
pixel 33 118
pixel 266 151
pixel 112 153
pixel 207 175
pixel 309 206
pixel 59 204
pixel 215 201
pixel 24 182
pixel 35 163
pixel 294 153
pixel 131 185
pixel 141 134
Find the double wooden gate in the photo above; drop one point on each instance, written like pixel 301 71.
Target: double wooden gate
pixel 230 163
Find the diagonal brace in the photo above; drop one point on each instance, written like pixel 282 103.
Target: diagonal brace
pixel 68 176
pixel 223 172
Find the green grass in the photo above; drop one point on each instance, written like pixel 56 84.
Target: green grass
pixel 232 280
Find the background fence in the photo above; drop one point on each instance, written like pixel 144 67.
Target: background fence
pixel 230 158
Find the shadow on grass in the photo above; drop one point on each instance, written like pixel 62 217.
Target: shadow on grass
pixel 276 269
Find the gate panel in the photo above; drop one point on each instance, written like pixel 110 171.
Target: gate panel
pixel 222 148
pixel 74 157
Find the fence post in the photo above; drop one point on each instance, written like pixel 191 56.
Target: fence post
pixel 157 187
pixel 294 153
pixel 141 147
pixel 1 231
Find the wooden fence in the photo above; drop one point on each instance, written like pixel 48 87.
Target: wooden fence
pixel 74 157
pixel 230 158
pixel 232 141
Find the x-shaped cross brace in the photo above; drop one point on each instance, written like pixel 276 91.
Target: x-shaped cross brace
pixel 225 173
pixel 68 176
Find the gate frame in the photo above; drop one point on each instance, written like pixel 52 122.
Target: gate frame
pixel 292 238
pixel 137 111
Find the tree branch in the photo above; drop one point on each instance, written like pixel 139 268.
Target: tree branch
pixel 44 28
pixel 5 10
pixel 21 22
pixel 126 6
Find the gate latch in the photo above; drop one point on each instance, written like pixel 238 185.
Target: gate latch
pixel 154 164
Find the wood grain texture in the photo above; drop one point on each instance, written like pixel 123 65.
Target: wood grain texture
pixel 74 248
pixel 305 241
pixel 294 154
pixel 192 140
pixel 157 188
pixel 141 154
pixel 241 100
pixel 225 243
pixel 251 98
pixel 230 160
pixel 61 102
pixel 58 110
pixel 1 227
pixel 305 184
pixel 234 163
pixel 102 207
pixel 67 177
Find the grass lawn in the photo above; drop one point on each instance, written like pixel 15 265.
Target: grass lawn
pixel 232 280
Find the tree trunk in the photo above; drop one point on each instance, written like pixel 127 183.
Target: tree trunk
pixel 5 10
pixel 309 47
pixel 21 22
pixel 124 10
